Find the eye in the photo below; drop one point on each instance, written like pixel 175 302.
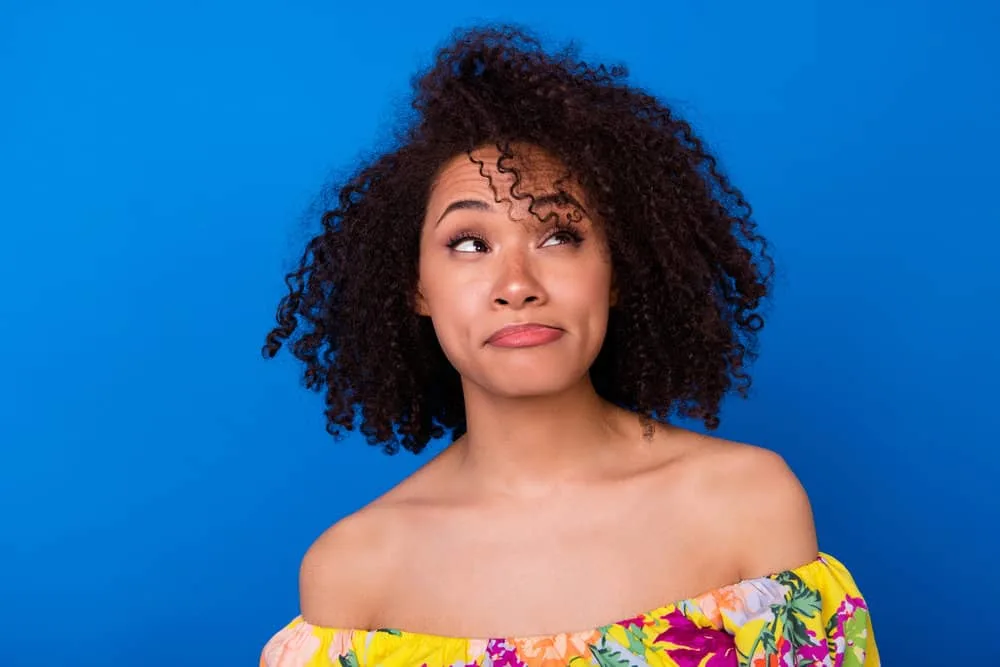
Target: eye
pixel 468 244
pixel 562 237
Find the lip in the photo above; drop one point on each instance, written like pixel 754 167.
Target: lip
pixel 528 334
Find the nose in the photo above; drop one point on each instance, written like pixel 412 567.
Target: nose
pixel 517 285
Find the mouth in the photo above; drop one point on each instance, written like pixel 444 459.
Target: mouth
pixel 525 335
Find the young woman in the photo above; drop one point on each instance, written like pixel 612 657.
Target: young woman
pixel 547 268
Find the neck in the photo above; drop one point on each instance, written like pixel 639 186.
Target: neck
pixel 531 446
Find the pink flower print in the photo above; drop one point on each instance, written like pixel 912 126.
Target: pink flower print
pixel 848 630
pixel 503 654
pixel 556 650
pixel 291 647
pixel 813 653
pixel 634 622
pixel 691 644
pixel 739 603
pixel 340 645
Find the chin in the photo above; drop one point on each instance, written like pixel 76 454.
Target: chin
pixel 532 373
pixel 527 389
pixel 529 383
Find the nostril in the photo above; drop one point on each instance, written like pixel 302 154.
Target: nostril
pixel 501 302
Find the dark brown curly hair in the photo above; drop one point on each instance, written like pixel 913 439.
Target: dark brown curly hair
pixel 689 268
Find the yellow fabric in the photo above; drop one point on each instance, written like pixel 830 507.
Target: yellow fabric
pixel 811 615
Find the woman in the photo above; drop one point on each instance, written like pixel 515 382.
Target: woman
pixel 547 268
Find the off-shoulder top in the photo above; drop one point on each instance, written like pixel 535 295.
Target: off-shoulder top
pixel 811 615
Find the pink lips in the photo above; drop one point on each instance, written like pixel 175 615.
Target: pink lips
pixel 524 335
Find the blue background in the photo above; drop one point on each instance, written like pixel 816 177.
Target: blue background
pixel 159 481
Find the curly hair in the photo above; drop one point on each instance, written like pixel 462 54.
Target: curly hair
pixel 689 268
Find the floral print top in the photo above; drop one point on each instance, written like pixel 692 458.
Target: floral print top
pixel 808 616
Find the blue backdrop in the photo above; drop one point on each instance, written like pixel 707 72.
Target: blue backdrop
pixel 159 481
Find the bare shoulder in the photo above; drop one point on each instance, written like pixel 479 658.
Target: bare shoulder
pixel 759 505
pixel 343 573
pixel 349 572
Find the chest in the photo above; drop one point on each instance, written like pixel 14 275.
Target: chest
pixel 553 569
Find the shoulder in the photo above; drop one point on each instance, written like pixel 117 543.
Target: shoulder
pixel 350 574
pixel 759 506
pixel 343 573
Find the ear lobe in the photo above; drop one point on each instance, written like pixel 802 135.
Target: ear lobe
pixel 420 304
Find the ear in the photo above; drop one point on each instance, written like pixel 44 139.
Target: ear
pixel 420 303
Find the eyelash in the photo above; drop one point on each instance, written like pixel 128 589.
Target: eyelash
pixel 575 237
pixel 465 236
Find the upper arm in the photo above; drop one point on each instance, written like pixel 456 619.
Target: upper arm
pixel 773 521
pixel 341 575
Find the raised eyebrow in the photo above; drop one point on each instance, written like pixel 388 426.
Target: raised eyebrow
pixel 554 198
pixel 464 204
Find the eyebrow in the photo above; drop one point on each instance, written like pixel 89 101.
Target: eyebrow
pixel 464 204
pixel 541 200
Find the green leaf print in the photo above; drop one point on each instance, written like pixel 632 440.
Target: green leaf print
pixel 390 631
pixel 349 660
pixel 787 579
pixel 765 640
pixel 768 641
pixel 805 601
pixel 856 634
pixel 856 628
pixel 606 657
pixel 800 600
pixel 636 640
pixel 796 632
pixel 831 625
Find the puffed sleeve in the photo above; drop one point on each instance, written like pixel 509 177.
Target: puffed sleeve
pixel 818 617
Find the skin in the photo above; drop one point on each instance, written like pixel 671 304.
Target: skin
pixel 556 511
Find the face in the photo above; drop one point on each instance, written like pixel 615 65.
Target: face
pixel 520 306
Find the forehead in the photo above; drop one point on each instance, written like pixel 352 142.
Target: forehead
pixel 538 172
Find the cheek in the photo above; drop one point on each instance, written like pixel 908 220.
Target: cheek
pixel 588 289
pixel 589 295
pixel 454 302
